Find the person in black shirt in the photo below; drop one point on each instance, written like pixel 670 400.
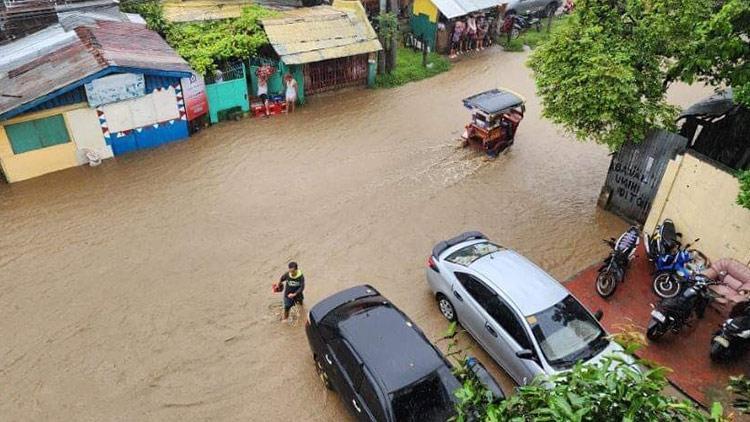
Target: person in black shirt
pixel 294 285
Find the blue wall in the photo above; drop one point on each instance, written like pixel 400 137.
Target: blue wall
pixel 149 137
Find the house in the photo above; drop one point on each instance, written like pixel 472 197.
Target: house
pixel 208 10
pixel 428 14
pixel 327 47
pixel 102 89
pixel 699 188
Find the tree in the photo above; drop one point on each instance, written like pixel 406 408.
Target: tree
pixel 387 24
pixel 604 74
pixel 719 52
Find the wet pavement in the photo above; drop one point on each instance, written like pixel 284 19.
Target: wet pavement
pixel 141 289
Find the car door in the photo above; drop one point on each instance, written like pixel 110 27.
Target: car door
pixel 372 398
pixel 515 338
pixel 486 330
pixel 347 375
pixel 468 307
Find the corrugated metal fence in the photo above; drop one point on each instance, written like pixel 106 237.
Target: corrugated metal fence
pixel 635 174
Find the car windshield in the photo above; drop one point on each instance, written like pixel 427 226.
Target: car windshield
pixel 567 333
pixel 465 256
pixel 425 400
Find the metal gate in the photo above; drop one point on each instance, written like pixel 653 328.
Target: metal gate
pixel 337 73
pixel 635 174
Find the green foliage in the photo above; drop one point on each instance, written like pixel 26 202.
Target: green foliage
pixel 586 393
pixel 409 68
pixel 515 45
pixel 206 45
pixel 150 10
pixel 740 387
pixel 744 197
pixel 603 75
pixel 719 49
pixel 534 38
pixel 387 24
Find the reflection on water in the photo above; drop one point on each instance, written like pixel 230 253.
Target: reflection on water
pixel 122 283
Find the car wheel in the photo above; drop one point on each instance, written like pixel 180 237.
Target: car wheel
pixel 322 375
pixel 446 308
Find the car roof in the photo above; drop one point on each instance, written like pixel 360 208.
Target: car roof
pixel 529 287
pixel 390 346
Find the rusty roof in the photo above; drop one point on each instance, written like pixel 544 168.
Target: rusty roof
pixel 208 10
pixel 313 34
pixel 97 49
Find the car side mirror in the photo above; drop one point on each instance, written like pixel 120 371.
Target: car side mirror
pixel 525 354
pixel 599 315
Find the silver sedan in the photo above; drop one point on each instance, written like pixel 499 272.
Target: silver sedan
pixel 527 321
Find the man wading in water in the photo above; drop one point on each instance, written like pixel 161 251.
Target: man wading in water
pixel 294 285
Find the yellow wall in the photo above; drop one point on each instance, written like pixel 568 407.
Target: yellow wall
pixel 17 167
pixel 701 200
pixel 426 7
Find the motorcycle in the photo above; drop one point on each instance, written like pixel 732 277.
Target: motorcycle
pixel 612 271
pixel 663 241
pixel 672 268
pixel 514 25
pixel 733 338
pixel 674 313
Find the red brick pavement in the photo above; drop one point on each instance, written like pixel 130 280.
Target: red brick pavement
pixel 687 354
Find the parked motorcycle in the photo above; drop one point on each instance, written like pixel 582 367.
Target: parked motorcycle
pixel 672 314
pixel 612 271
pixel 672 269
pixel 733 338
pixel 664 240
pixel 514 24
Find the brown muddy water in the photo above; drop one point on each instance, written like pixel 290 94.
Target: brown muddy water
pixel 140 289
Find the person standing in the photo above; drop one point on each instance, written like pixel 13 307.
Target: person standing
pixel 291 92
pixel 458 29
pixel 263 75
pixel 294 285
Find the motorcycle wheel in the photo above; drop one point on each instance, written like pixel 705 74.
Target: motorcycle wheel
pixel 655 330
pixel 720 353
pixel 606 284
pixel 666 286
pixel 515 33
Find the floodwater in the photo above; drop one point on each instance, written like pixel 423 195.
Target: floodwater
pixel 141 289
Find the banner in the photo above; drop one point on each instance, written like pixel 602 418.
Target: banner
pixel 114 88
pixel 194 93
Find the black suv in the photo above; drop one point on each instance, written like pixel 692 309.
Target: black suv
pixel 379 362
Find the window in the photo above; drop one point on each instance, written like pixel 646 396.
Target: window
pixel 505 317
pixel 427 400
pixel 37 134
pixel 476 289
pixel 349 363
pixel 370 397
pixel 465 256
pixel 567 333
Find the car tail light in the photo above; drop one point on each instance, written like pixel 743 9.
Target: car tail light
pixel 432 265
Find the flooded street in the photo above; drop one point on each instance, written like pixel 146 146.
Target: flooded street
pixel 141 289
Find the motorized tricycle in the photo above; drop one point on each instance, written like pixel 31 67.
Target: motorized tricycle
pixel 495 117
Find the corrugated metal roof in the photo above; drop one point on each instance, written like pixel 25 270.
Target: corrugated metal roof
pixel 455 8
pixel 208 10
pixel 318 33
pixel 716 105
pixel 94 49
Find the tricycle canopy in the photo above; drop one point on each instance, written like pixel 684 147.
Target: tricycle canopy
pixel 494 101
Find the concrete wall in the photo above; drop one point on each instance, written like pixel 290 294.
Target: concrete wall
pixel 83 128
pixel 701 199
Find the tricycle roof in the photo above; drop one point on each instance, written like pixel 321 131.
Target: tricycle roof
pixel 494 101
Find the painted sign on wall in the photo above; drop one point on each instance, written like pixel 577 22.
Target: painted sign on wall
pixel 114 88
pixel 194 91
